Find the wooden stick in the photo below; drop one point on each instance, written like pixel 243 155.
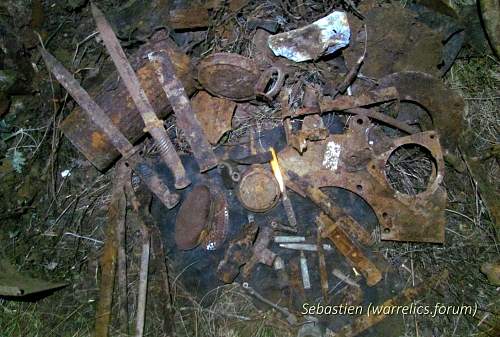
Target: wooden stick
pixel 116 216
pixel 121 238
pixel 143 282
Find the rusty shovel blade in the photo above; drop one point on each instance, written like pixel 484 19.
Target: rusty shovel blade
pixel 185 117
pixel 103 122
pixel 153 125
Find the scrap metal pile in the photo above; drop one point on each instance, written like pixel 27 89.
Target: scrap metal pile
pixel 298 206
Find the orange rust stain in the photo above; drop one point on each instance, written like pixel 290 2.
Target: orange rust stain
pixel 116 119
pixel 98 140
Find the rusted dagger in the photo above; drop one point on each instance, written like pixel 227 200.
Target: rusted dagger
pixel 153 125
pixel 102 121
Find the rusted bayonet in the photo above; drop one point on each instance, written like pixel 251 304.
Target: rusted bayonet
pixel 352 253
pixel 102 121
pixel 153 125
pixel 184 115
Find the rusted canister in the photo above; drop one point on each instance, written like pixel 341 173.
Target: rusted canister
pixel 202 219
pixel 193 217
pixel 113 98
pixel 258 190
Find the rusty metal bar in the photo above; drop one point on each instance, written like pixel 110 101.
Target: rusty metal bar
pixel 320 199
pixel 110 131
pixel 113 98
pixel 354 255
pixel 153 125
pixel 184 114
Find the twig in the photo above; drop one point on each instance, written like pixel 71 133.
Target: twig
pixel 116 214
pixel 122 261
pixel 143 282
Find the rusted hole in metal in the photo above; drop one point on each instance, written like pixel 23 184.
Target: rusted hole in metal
pixel 409 169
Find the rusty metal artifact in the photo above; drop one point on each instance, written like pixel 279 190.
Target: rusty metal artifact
pixel 202 219
pixel 237 77
pixel 356 161
pixel 214 114
pixel 237 254
pixel 445 106
pixel 258 190
pixel 108 130
pixel 113 97
pixel 353 254
pixel 192 219
pixel 153 125
pixel 184 115
pixel 396 41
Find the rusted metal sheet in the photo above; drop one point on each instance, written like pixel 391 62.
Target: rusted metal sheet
pixel 361 324
pixel 199 16
pixel 153 125
pixel 214 114
pixel 107 130
pixel 445 106
pixel 331 230
pixel 356 161
pixel 184 115
pixel 112 96
pixel 396 41
pixel 258 190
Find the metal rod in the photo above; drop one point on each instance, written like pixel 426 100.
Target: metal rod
pixel 104 123
pixel 153 125
pixel 185 118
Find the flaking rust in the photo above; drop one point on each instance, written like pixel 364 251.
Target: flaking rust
pixel 237 254
pixel 185 118
pixel 214 114
pixel 103 123
pixel 112 96
pixel 356 161
pixel 153 125
pixel 353 254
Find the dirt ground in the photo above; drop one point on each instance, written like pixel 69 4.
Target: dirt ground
pixel 54 203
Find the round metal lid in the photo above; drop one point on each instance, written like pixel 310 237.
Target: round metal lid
pixel 258 190
pixel 193 217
